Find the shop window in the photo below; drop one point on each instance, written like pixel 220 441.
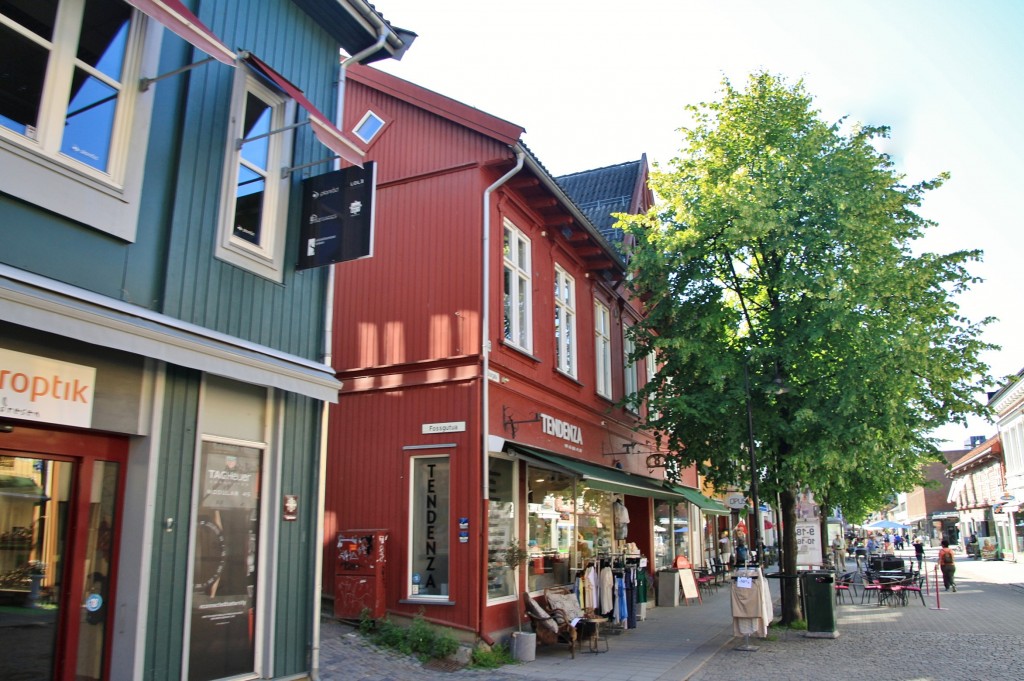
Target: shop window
pixel 565 322
pixel 429 535
pixel 254 196
pixel 501 527
pixel 671 532
pixel 551 535
pixel 594 522
pixel 516 298
pixel 603 349
pixel 225 560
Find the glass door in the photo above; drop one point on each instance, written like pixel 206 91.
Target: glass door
pixel 58 523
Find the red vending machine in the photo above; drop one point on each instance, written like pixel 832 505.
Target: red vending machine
pixel 359 576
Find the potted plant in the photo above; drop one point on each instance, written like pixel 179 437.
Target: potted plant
pixel 36 572
pixel 524 643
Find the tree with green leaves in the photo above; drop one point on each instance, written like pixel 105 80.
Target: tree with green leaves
pixel 781 250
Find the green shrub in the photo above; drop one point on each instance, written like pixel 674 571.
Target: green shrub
pixel 497 656
pixel 421 639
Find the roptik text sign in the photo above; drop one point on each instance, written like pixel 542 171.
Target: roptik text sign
pixel 42 389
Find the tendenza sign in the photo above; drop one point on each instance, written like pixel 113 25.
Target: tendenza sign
pixel 564 430
pixel 47 390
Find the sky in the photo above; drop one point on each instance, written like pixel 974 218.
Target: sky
pixel 597 83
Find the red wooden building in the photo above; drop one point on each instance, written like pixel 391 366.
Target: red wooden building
pixel 482 351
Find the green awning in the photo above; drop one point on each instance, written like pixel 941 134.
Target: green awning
pixel 706 504
pixel 604 477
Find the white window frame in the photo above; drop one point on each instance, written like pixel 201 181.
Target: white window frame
pixel 440 453
pixel 652 370
pixel 517 259
pixel 266 258
pixel 565 320
pixel 35 170
pixel 369 115
pixel 629 372
pixel 603 349
pixel 500 545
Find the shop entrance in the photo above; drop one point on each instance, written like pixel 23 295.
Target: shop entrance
pixel 60 501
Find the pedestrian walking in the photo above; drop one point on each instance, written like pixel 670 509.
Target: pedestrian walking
pixel 947 563
pixel 919 550
pixel 839 552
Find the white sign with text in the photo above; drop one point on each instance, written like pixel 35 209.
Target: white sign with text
pixel 42 389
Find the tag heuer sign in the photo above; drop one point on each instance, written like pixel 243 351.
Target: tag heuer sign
pixel 337 216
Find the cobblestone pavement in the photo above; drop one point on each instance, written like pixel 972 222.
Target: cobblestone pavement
pixel 976 633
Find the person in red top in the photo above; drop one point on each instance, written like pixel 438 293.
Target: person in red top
pixel 947 563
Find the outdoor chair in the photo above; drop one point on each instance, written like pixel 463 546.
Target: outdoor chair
pixel 872 587
pixel 552 625
pixel 913 586
pixel 844 586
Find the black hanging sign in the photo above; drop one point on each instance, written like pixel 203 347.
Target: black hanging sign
pixel 337 216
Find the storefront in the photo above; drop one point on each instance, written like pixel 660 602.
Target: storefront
pixel 117 471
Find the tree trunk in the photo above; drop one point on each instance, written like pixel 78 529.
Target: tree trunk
pixel 790 601
pixel 826 541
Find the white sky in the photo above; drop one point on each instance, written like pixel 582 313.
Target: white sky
pixel 596 83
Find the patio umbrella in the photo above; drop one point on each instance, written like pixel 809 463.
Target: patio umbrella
pixel 886 525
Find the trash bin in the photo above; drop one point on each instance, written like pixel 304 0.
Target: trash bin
pixel 819 603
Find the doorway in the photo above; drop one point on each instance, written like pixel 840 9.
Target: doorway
pixel 60 501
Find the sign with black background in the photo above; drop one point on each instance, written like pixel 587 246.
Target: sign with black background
pixel 337 216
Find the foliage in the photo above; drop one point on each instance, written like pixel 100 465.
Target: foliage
pixel 496 656
pixel 515 555
pixel 420 638
pixel 782 250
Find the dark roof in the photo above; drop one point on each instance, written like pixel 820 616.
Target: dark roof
pixel 603 191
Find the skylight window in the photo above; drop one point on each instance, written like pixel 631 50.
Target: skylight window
pixel 368 127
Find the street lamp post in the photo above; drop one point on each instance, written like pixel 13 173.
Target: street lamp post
pixel 755 535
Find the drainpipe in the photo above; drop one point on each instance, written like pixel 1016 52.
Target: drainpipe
pixel 485 343
pixel 318 578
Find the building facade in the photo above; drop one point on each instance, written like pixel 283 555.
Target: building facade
pixel 484 351
pixel 162 383
pixel 978 483
pixel 1008 404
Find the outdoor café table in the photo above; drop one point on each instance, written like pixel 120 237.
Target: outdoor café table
pixel 892 591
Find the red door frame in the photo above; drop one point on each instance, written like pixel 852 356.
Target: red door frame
pixel 83 449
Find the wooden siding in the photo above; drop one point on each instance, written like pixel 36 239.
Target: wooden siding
pixel 368 485
pixel 297 549
pixel 198 287
pixel 173 499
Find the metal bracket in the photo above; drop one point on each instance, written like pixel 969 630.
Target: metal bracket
pixel 512 424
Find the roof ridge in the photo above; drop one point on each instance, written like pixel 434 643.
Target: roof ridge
pixel 593 170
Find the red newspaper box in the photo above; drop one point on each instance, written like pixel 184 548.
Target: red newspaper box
pixel 359 574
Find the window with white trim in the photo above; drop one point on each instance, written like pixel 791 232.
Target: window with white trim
pixel 65 67
pixel 254 196
pixel 516 289
pixel 603 349
pixel 629 384
pixel 565 322
pixel 429 501
pixel 652 371
pixel 368 127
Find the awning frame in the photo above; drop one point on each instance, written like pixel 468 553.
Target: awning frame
pixel 601 477
pixel 705 503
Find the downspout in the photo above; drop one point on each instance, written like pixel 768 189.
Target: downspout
pixel 485 348
pixel 321 493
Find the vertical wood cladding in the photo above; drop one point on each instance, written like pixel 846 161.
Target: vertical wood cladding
pixel 198 287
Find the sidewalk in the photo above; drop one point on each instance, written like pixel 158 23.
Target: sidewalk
pixel 977 634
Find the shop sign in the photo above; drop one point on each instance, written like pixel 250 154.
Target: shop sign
pixel 808 543
pixel 42 389
pixel 337 216
pixel 563 430
pixel 736 500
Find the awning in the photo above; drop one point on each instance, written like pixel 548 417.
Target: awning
pixel 705 504
pixel 177 18
pixel 602 477
pixel 325 131
pixel 39 303
pixel 955 487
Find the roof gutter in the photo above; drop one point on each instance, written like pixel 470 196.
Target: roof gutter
pixel 485 345
pixel 318 578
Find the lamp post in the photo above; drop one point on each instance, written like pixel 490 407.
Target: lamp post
pixel 755 535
